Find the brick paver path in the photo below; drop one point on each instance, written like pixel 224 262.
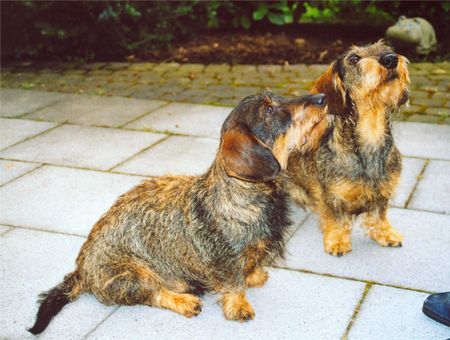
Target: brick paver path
pixel 216 84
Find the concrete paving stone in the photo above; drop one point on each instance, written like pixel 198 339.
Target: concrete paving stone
pixel 61 199
pixel 415 265
pixel 391 313
pixel 13 131
pixel 433 191
pixel 3 229
pixel 440 111
pixel 217 68
pixel 423 140
pixel 12 169
pixel 32 262
pixel 423 118
pixel 197 120
pixel 141 66
pixel 96 110
pixel 15 102
pixel 175 155
pixel 410 171
pixel 307 307
pixel 82 146
pixel 427 102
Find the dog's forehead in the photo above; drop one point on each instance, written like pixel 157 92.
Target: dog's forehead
pixel 376 49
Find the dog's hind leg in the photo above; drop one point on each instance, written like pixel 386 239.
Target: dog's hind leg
pixel 133 282
pixel 380 230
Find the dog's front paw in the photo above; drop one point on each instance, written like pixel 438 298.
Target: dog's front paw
pixel 188 305
pixel 387 237
pixel 337 242
pixel 237 308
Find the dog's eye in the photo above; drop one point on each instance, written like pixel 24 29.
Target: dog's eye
pixel 269 109
pixel 353 59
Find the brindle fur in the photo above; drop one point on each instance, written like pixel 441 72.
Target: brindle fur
pixel 170 239
pixel 356 166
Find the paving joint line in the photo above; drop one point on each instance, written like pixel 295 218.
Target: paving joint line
pixel 139 152
pixel 41 230
pixel 305 271
pixel 7 231
pixel 144 114
pixel 89 333
pixel 419 178
pixel 33 136
pixel 22 175
pixel 350 324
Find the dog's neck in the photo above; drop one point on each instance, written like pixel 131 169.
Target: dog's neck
pixel 365 126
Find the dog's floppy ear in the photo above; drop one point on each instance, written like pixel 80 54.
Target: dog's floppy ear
pixel 332 84
pixel 245 157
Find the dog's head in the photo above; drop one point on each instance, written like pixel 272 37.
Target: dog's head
pixel 371 74
pixel 262 130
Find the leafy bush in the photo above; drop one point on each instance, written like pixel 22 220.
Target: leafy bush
pixel 113 29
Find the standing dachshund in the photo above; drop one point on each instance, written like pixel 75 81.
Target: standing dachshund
pixel 356 166
pixel 172 238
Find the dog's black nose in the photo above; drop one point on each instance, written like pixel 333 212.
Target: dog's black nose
pixel 319 99
pixel 389 60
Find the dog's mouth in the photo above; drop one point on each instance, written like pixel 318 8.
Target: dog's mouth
pixel 392 75
pixel 314 122
pixel 404 98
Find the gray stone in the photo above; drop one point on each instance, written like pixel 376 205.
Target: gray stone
pixel 410 171
pixel 426 238
pixel 11 169
pixel 390 313
pixel 191 119
pixel 433 191
pixel 61 199
pixel 96 110
pixel 4 229
pixel 32 262
pixel 290 306
pixel 82 146
pixel 175 155
pixel 13 131
pixel 423 140
pixel 15 103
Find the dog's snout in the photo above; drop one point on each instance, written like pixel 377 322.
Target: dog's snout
pixel 389 60
pixel 319 99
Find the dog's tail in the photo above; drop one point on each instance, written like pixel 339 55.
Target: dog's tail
pixel 53 301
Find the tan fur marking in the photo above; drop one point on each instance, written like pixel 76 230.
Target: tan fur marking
pixel 187 305
pixel 381 231
pixel 257 278
pixel 236 307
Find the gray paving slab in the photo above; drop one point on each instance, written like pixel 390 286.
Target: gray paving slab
pixel 175 155
pixel 191 119
pixel 61 199
pixel 433 191
pixel 32 262
pixel 13 131
pixel 423 140
pixel 291 306
pixel 408 179
pixel 15 102
pixel 12 169
pixel 96 110
pixel 3 229
pixel 418 264
pixel 390 313
pixel 82 146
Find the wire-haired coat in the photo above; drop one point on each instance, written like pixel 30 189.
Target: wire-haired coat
pixel 171 238
pixel 356 166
